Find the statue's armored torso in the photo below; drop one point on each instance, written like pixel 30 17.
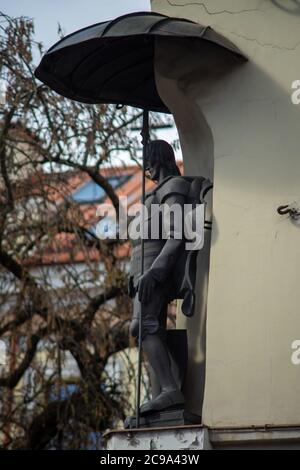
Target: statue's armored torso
pixel 180 281
pixel 155 241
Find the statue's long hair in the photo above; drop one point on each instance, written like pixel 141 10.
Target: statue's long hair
pixel 160 151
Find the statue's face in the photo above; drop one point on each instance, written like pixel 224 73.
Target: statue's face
pixel 153 170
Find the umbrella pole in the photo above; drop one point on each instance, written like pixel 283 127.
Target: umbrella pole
pixel 145 139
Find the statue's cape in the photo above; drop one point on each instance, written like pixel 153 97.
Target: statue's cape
pixel 194 190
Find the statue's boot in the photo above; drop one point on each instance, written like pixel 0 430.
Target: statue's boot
pixel 164 401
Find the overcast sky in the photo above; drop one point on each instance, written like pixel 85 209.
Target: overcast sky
pixel 71 14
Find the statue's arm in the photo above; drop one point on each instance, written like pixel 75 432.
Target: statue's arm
pixel 165 261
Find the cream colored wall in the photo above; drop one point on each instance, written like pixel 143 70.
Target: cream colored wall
pixel 254 295
pixel 178 90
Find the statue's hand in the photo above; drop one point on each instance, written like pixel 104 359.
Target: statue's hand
pixel 146 287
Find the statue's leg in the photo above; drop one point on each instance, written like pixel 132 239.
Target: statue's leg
pixel 154 345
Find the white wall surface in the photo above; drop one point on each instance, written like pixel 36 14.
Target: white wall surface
pixel 253 295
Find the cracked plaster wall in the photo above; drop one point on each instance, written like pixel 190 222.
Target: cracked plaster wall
pixel 244 128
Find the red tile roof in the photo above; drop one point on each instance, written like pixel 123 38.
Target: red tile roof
pixel 64 248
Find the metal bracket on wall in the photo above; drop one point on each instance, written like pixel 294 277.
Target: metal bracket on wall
pixel 293 213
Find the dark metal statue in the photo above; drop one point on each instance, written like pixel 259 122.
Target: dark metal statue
pixel 169 270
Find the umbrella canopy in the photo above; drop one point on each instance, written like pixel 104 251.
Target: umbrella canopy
pixel 113 61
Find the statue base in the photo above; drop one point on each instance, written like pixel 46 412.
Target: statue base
pixel 189 438
pixel 163 419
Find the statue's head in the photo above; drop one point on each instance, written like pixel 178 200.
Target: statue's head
pixel 160 154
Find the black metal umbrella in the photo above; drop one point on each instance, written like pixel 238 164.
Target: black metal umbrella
pixel 113 62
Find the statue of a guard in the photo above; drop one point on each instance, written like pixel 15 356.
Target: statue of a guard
pixel 169 268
